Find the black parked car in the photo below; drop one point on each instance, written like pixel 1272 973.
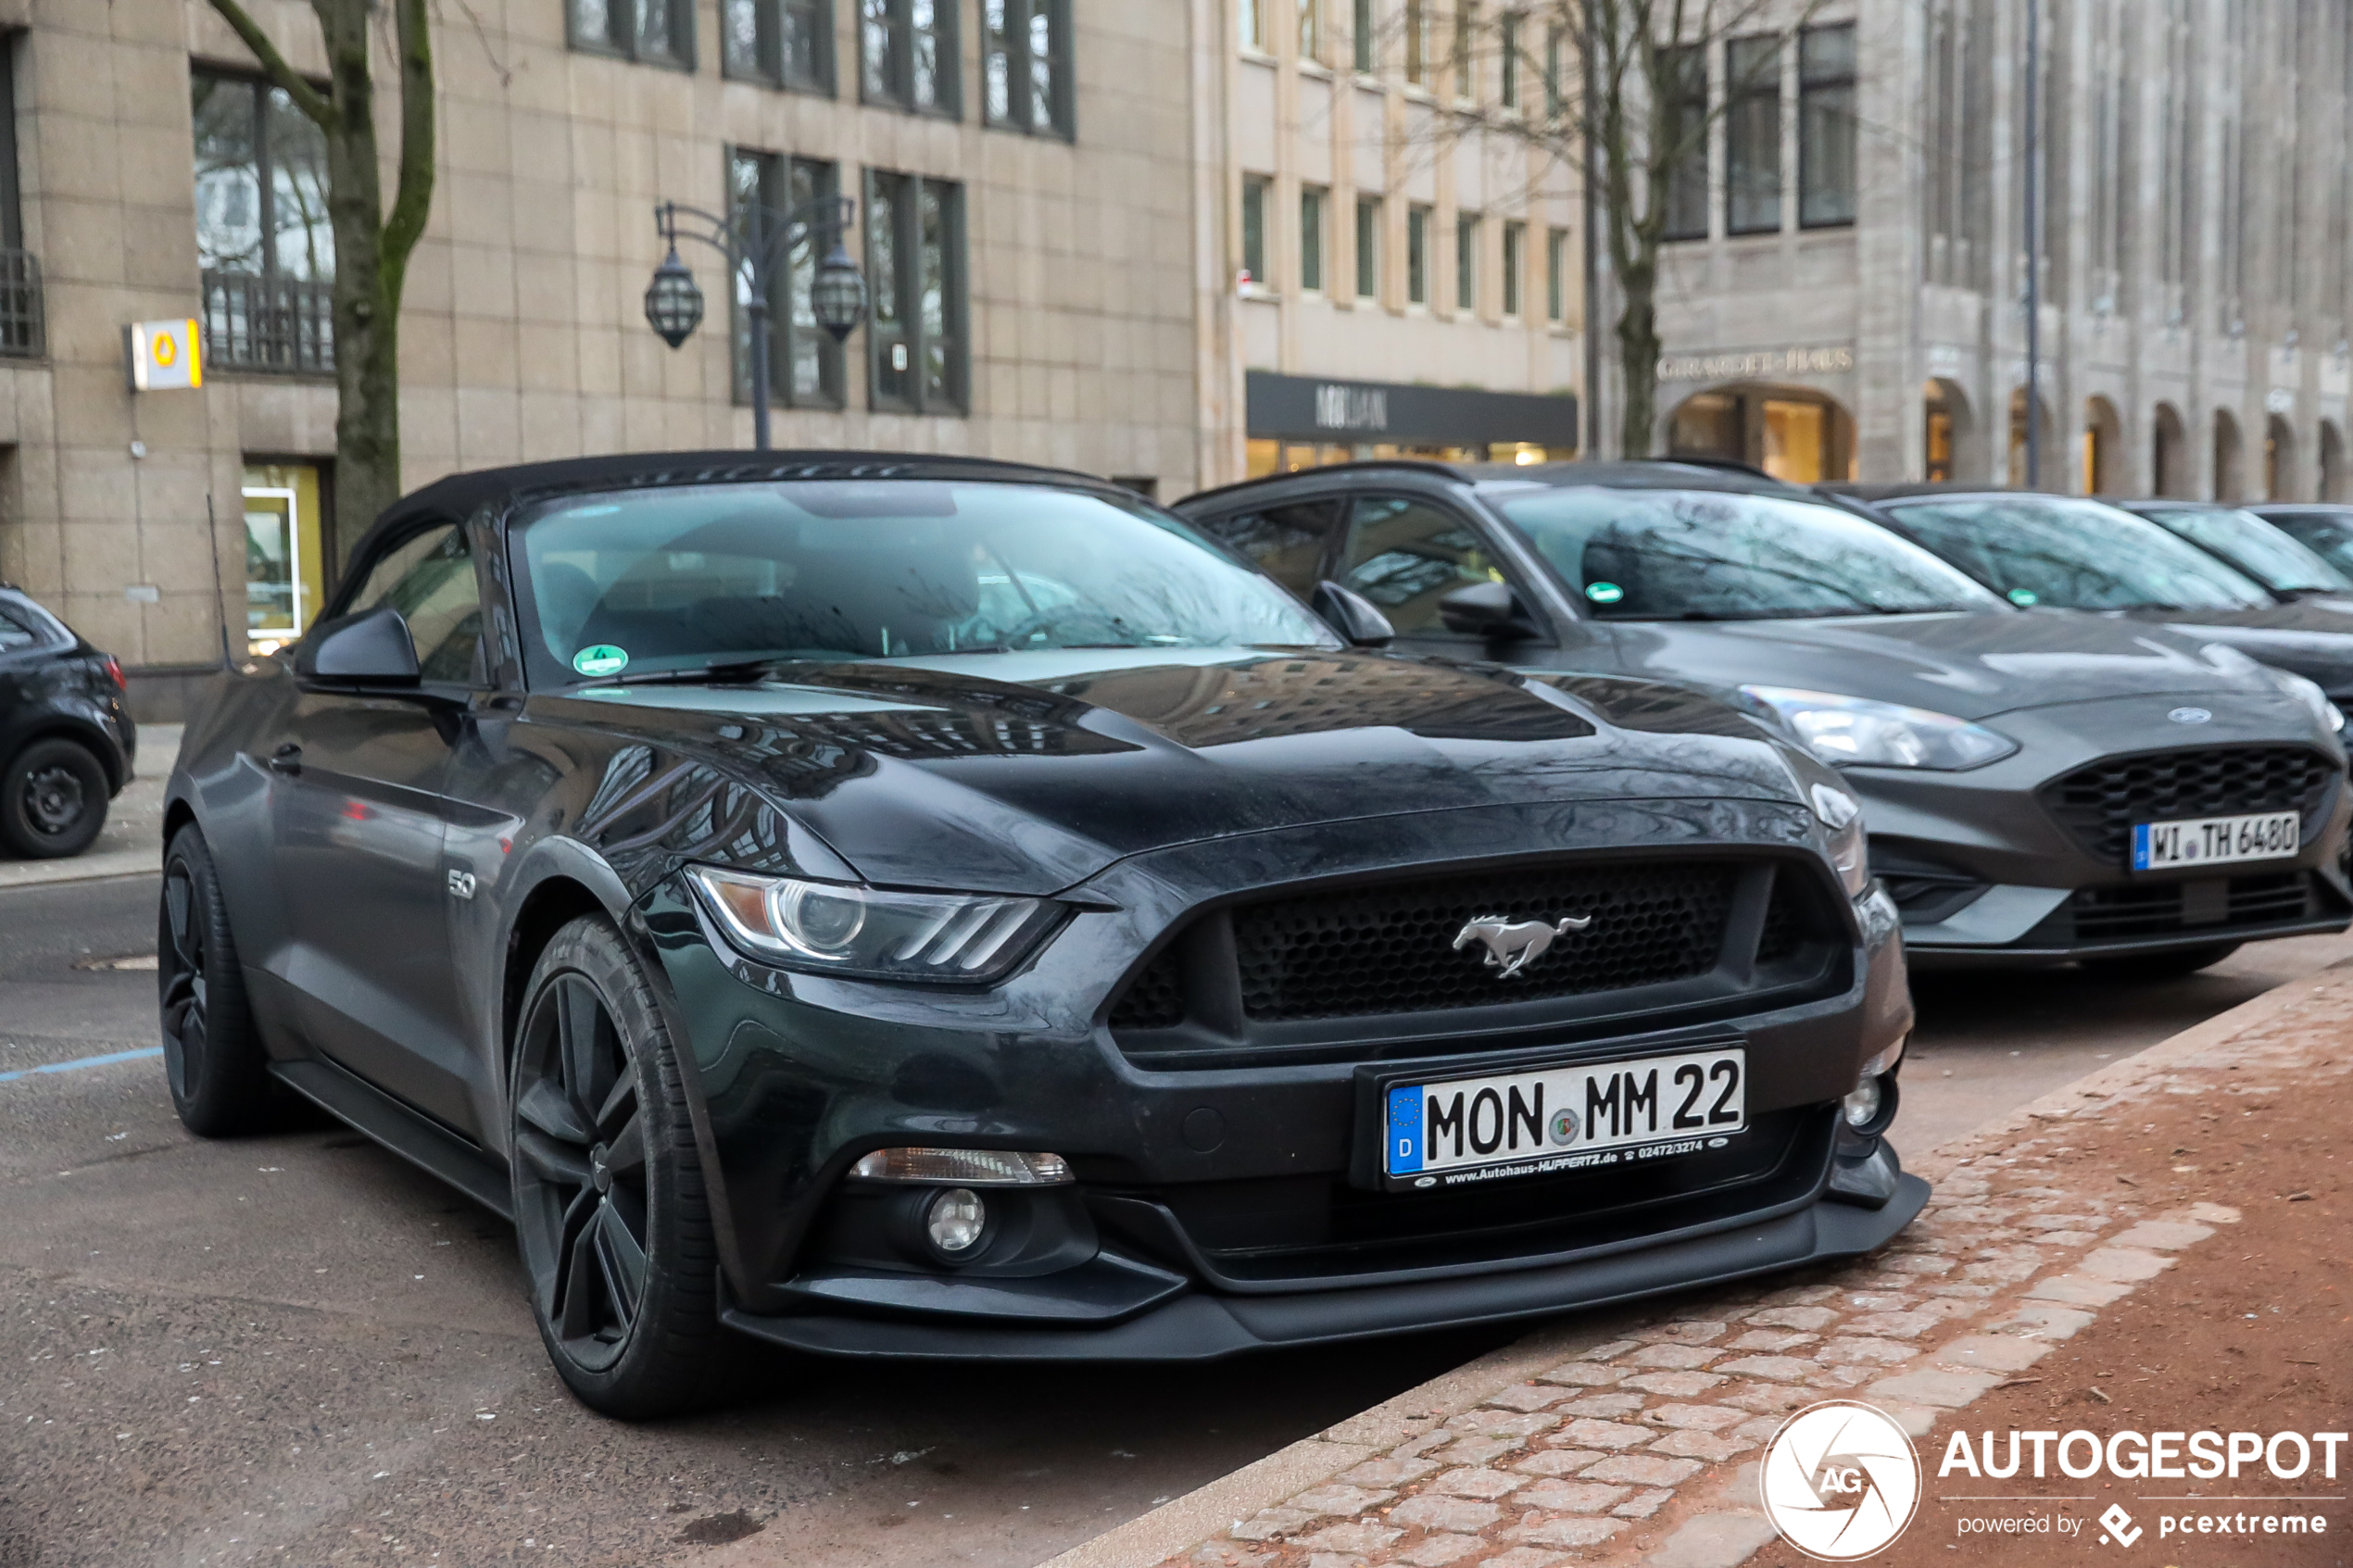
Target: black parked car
pixel 66 741
pixel 948 909
pixel 2275 561
pixel 2066 552
pixel 2038 787
pixel 2323 527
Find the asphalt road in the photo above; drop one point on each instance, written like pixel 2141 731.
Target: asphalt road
pixel 296 1349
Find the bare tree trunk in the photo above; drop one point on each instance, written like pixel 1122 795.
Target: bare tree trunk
pixel 371 247
pixel 1638 349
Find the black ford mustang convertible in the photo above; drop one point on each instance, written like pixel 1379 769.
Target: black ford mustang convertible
pixel 933 907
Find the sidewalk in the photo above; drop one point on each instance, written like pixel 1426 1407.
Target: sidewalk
pixel 1630 1439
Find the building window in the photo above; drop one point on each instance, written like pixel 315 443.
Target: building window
pixel 1556 47
pixel 1367 247
pixel 1466 261
pixel 1753 136
pixel 1459 54
pixel 1361 40
pixel 804 360
pixel 1026 65
pixel 287 571
pixel 657 31
pixel 1417 41
pixel 1508 62
pixel 915 269
pixel 1684 68
pixel 1826 126
pixel 1556 275
pixel 20 321
pixel 265 248
pixel 782 42
pixel 1313 199
pixel 1254 24
pixel 907 54
pixel 1417 254
pixel 1515 259
pixel 1311 29
pixel 1254 193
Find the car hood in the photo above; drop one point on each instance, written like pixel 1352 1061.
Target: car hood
pixel 1972 665
pixel 2314 637
pixel 1028 772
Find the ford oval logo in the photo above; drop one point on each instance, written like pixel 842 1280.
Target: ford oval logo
pixel 2189 715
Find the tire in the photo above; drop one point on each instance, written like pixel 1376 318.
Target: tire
pixel 2162 966
pixel 610 1208
pixel 212 1053
pixel 53 800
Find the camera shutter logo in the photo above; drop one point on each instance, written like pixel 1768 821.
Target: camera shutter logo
pixel 1841 1480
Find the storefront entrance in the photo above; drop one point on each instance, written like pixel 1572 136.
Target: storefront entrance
pixel 1303 422
pixel 1794 434
pixel 285 559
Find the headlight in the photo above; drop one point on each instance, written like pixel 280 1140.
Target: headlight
pixel 1843 814
pixel 832 927
pixel 1882 734
pixel 2309 693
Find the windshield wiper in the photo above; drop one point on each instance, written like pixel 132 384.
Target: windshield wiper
pixel 734 670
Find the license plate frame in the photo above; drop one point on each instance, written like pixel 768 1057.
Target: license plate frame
pixel 2237 839
pixel 1373 1163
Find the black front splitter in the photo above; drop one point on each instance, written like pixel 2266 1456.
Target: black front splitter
pixel 1203 1327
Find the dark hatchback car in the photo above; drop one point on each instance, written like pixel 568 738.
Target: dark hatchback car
pixel 2053 552
pixel 2027 779
pixel 947 909
pixel 66 741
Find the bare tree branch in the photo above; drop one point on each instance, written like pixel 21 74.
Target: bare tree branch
pixel 309 99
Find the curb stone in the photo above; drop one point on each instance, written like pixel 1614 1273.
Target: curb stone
pixel 1507 1461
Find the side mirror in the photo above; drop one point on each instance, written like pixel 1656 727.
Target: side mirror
pixel 372 648
pixel 1352 615
pixel 1486 609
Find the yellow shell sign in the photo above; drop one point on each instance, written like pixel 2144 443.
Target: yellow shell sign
pixel 165 355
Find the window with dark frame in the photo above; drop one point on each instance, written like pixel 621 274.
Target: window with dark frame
pixel 1826 126
pixel 782 42
pixel 1460 54
pixel 805 363
pixel 1507 33
pixel 1753 136
pixel 1684 68
pixel 1417 254
pixel 1367 247
pixel 908 56
pixel 1313 201
pixel 1417 41
pixel 1515 259
pixel 20 315
pixel 265 249
pixel 1556 275
pixel 1256 189
pixel 1362 41
pixel 1026 67
pixel 652 31
pixel 916 344
pixel 1466 261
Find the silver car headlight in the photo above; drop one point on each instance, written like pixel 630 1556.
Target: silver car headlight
pixel 1850 730
pixel 960 938
pixel 1843 815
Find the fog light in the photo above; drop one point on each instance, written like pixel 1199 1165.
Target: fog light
pixel 1863 1103
pixel 955 1221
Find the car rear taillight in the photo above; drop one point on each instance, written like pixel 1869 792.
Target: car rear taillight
pixel 114 673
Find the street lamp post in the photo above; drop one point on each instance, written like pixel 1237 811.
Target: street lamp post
pixel 756 240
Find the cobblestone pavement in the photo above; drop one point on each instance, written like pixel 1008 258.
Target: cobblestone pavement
pixel 1632 1439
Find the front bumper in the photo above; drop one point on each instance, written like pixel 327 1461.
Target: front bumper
pixel 1183 1164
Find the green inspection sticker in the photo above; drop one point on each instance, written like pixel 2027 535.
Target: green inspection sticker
pixel 2023 597
pixel 1604 593
pixel 600 658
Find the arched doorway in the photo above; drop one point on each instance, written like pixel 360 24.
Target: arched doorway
pixel 2279 459
pixel 2169 453
pixel 2332 461
pixel 1792 432
pixel 2017 474
pixel 2103 449
pixel 2230 458
pixel 1951 448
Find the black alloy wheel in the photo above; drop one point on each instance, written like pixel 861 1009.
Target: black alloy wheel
pixel 53 800
pixel 610 1206
pixel 212 1053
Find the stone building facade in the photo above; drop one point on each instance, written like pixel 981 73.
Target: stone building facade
pixel 2195 285
pixel 1035 156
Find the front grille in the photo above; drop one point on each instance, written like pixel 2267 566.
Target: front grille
pixel 1389 948
pixel 1297 973
pixel 2164 908
pixel 2098 804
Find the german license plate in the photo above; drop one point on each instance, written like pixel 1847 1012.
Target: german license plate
pixel 1548 1119
pixel 2213 841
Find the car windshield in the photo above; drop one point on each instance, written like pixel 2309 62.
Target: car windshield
pixel 2077 555
pixel 683 577
pixel 1700 554
pixel 2327 534
pixel 2265 553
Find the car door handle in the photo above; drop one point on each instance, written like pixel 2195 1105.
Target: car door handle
pixel 287 758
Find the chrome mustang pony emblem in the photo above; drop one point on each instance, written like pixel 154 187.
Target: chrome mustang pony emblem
pixel 1512 945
